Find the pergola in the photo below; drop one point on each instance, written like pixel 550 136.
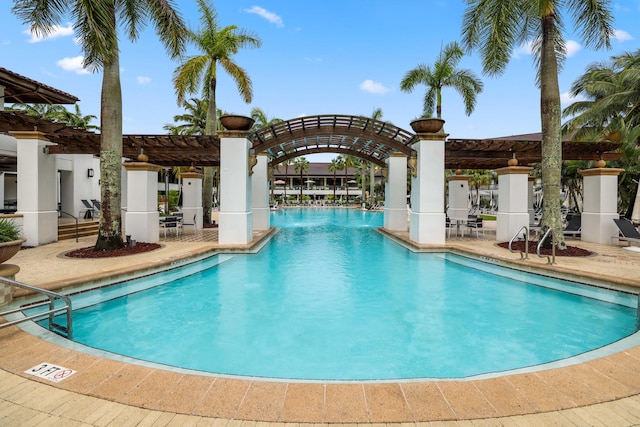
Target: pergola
pixel 369 139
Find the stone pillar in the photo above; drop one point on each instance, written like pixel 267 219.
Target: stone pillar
pixel 458 197
pixel 600 205
pixel 37 189
pixel 260 192
pixel 8 271
pixel 531 199
pixel 192 197
pixel 513 209
pixel 427 190
pixel 142 215
pixel 236 217
pixel 395 193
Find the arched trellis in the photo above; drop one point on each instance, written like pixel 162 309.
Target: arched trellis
pixel 369 139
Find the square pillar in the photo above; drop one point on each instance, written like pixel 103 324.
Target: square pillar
pixel 260 192
pixel 427 224
pixel 513 194
pixel 236 217
pixel 142 217
pixel 36 188
pixel 192 197
pixel 395 193
pixel 458 197
pixel 600 205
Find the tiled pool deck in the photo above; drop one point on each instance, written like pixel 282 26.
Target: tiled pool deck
pixel 604 391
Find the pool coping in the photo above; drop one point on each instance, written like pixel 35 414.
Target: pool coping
pixel 596 381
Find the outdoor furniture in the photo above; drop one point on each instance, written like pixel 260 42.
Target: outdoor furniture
pixel 627 232
pixel 191 223
pixel 88 210
pixel 475 223
pixel 573 227
pixel 170 223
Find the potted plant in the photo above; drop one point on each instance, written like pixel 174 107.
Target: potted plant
pixel 10 239
pixel 236 122
pixel 427 124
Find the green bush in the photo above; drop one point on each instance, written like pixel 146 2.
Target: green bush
pixel 9 231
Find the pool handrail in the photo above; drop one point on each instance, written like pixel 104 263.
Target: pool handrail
pixel 550 260
pixel 52 298
pixel 526 242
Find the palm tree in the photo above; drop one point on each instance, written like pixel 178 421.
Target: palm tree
pixel 46 111
pixel 96 26
pixel 349 162
pixel 218 45
pixel 335 166
pixel 497 26
pixel 301 166
pixel 194 119
pixel 444 74
pixel 77 120
pixel 261 119
pixel 478 178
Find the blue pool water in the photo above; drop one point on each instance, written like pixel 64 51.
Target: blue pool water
pixel 329 298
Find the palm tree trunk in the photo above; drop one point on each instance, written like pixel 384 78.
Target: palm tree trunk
pixel 334 186
pixel 211 128
pixel 110 233
pixel 372 182
pixel 551 164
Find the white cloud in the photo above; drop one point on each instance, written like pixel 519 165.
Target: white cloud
pixel 73 64
pixel 567 99
pixel 143 80
pixel 373 87
pixel 572 47
pixel 621 35
pixel 524 49
pixel 269 16
pixel 56 31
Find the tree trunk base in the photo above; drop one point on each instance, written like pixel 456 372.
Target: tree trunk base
pixel 108 243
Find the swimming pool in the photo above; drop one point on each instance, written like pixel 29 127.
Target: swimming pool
pixel 329 298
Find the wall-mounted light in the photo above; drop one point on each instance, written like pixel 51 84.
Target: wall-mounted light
pixel 90 173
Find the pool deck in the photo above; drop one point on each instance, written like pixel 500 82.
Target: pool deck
pixel 108 392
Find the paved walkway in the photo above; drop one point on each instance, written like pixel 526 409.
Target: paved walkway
pixel 602 392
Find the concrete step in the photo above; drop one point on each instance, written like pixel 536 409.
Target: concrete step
pixel 85 228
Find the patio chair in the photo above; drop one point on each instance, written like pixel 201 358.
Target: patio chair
pixel 573 227
pixel 626 232
pixel 189 223
pixel 97 206
pixel 475 223
pixel 170 223
pixel 88 209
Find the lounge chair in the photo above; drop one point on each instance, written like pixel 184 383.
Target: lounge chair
pixel 573 227
pixel 627 232
pixel 88 210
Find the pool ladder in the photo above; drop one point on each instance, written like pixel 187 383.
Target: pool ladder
pixel 56 303
pixel 525 255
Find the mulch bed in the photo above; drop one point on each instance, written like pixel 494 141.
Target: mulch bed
pixel 533 245
pixel 139 248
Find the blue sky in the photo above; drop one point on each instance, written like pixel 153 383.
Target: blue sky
pixel 344 57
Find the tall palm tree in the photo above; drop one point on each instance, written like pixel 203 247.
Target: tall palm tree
pixel 286 164
pixel 334 167
pixel 349 162
pixel 444 74
pixel 301 166
pixel 96 26
pixel 217 46
pixel 496 27
pixel 375 115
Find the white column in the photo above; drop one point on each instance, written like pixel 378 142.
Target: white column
pixel 36 189
pixel 458 197
pixel 192 197
pixel 236 218
pixel 142 202
pixel 260 193
pixel 395 193
pixel 427 190
pixel 513 209
pixel 531 199
pixel 600 205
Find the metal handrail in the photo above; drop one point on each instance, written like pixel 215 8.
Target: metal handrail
pixel 74 217
pixel 52 298
pixel 526 242
pixel 551 260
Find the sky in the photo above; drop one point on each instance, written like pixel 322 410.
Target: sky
pixel 317 57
